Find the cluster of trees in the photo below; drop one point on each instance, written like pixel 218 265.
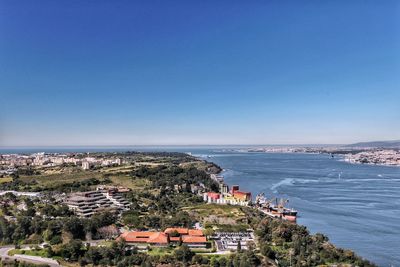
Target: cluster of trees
pixel 169 176
pixel 36 229
pixel 83 185
pixel 168 157
pixel 292 244
pixel 118 254
pixel 164 208
pixel 135 220
pixel 17 184
pixel 16 263
pixel 28 171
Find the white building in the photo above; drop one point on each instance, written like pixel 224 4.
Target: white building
pixel 85 165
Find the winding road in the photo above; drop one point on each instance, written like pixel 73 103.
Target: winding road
pixel 26 258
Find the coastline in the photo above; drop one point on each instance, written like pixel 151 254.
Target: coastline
pixel 222 170
pixel 239 168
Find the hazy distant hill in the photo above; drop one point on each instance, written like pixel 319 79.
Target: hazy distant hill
pixel 379 144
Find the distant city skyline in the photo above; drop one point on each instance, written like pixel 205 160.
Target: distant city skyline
pixel 85 73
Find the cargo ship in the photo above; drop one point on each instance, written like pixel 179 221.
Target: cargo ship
pixel 276 208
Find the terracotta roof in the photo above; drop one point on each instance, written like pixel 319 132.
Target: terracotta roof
pixel 137 237
pixel 195 232
pixel 241 193
pixel 182 231
pixel 213 195
pixel 158 238
pixel 194 239
pixel 188 236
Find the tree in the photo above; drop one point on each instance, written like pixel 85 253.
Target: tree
pixel 72 250
pixel 93 255
pixel 267 251
pixel 75 226
pixel 239 247
pixel 132 218
pixel 183 253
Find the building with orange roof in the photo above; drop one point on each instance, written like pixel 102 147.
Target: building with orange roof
pixel 234 197
pixel 195 232
pixel 194 241
pixel 144 238
pixel 243 196
pixel 193 238
pixel 181 231
pixel 159 239
pixel 175 239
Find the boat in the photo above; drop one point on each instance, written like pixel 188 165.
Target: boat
pixel 275 208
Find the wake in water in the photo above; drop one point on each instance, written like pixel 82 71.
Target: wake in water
pixel 287 181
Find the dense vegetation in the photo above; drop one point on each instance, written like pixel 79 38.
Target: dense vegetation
pixel 168 176
pixel 50 223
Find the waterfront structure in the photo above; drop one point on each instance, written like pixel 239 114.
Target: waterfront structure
pixel 234 197
pixel 240 195
pixel 223 188
pixel 379 157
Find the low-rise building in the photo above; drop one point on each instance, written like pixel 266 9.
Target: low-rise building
pixel 229 240
pixel 235 197
pixel 171 236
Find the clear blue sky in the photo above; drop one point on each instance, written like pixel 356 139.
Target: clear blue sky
pixel 198 72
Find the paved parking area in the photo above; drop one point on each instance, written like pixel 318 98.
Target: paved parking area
pixel 229 240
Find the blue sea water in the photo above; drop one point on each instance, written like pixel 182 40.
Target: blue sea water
pixel 356 206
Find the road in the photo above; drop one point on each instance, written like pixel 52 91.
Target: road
pixel 26 258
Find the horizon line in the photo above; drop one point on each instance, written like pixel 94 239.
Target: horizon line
pixel 171 145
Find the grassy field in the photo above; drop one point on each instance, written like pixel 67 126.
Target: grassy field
pixel 123 168
pixel 33 252
pixel 217 214
pixel 205 210
pixel 6 180
pixel 118 175
pixel 61 178
pixel 127 181
pixel 160 251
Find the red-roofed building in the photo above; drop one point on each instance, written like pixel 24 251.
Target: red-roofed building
pixel 159 239
pixel 214 196
pixel 175 239
pixel 194 241
pixel 141 238
pixel 181 231
pixel 193 238
pixel 195 232
pixel 234 197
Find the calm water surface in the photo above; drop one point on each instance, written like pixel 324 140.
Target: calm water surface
pixel 356 206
